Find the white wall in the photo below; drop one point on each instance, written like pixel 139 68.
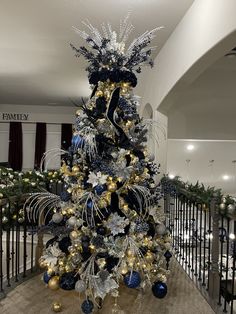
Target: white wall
pixel 205 33
pixel 53 116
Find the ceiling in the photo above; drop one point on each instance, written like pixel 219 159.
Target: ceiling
pixel 37 66
pixel 197 165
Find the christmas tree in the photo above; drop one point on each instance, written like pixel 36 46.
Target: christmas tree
pixel 107 223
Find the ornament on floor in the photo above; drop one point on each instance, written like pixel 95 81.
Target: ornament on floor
pixel 87 306
pixel 67 281
pixel 159 289
pixel 57 307
pixel 54 282
pixel 46 277
pixel 132 279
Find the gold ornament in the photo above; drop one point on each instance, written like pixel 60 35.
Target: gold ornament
pixel 125 207
pixel 112 187
pixel 74 234
pixel 53 283
pixel 99 93
pixel 71 210
pixel 75 169
pixel 50 271
pixel 124 270
pixel 107 94
pixel 68 268
pixel 130 253
pixel 56 307
pixel 42 263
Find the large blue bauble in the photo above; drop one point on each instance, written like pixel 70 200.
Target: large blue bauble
pixel 77 141
pixel 46 277
pixel 68 281
pixel 159 289
pixel 87 306
pixel 132 279
pixel 99 189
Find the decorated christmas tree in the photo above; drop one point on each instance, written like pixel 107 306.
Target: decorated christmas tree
pixel 107 223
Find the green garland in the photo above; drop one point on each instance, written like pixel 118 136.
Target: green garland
pixel 14 185
pixel 200 194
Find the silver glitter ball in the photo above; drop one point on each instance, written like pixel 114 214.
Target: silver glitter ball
pixel 230 209
pixel 57 218
pixel 72 221
pixel 80 286
pixel 160 229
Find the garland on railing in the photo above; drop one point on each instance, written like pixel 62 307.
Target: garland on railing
pixel 200 194
pixel 14 184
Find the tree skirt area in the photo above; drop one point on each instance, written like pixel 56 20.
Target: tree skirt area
pixel 32 297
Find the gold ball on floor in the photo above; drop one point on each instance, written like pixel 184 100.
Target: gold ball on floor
pixel 56 307
pixel 53 283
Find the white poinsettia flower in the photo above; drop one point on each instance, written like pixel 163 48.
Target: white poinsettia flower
pixel 97 178
pixel 52 254
pixel 102 288
pixel 117 223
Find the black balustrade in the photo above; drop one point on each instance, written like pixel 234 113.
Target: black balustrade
pixel 191 226
pixel 18 241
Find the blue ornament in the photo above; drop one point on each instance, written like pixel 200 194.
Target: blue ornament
pixel 159 289
pixel 99 189
pixel 46 277
pixel 87 307
pixel 77 141
pixel 65 196
pixel 68 281
pixel 132 279
pixel 89 204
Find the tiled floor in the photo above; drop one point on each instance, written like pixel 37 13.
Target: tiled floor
pixel 32 297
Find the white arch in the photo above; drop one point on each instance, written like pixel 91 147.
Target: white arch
pixel 206 32
pixel 147 112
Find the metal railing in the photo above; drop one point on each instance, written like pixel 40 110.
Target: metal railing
pixel 18 242
pixel 204 244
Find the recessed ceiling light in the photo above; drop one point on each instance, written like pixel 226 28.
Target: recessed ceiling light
pixel 190 147
pixel 171 176
pixel 232 236
pixel 225 177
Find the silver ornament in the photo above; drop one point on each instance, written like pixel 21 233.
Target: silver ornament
pixel 21 220
pixel 57 218
pixel 222 207
pixel 72 221
pixel 80 286
pixel 160 229
pixel 230 209
pixel 4 220
pixel 151 157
